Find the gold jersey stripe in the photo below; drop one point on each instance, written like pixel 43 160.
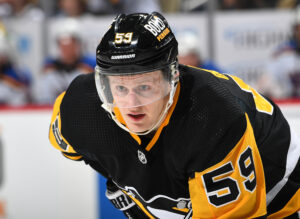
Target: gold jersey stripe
pixel 73 157
pixel 186 210
pixel 121 120
pixel 292 206
pixel 262 105
pixel 56 118
pixel 140 205
pixel 215 73
pixel 165 122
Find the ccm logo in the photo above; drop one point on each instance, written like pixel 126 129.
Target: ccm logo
pixel 155 25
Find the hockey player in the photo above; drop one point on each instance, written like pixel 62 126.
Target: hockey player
pixel 176 141
pixel 59 71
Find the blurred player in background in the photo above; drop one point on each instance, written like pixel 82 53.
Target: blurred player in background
pixel 59 71
pixel 101 7
pixel 22 9
pixel 189 54
pixel 281 78
pixel 72 8
pixel 14 82
pixel 176 141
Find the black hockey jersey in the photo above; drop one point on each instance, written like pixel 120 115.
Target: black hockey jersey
pixel 223 151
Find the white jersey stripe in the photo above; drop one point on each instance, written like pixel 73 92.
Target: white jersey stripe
pixel 292 159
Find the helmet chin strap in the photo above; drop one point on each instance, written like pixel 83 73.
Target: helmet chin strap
pixel 109 109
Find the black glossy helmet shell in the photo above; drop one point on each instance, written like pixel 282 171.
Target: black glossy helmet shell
pixel 137 43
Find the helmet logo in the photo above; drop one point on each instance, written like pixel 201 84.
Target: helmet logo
pixel 155 25
pixel 163 34
pixel 128 56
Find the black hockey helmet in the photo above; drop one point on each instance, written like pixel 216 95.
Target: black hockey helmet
pixel 137 43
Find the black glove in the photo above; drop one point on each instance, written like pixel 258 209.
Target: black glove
pixel 123 202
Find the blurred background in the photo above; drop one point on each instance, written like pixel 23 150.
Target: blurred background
pixel 45 44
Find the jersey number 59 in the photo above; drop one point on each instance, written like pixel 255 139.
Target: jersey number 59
pixel 221 189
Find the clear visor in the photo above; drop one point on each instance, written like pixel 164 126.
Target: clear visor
pixel 133 90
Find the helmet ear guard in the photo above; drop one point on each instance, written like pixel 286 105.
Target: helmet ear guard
pixel 175 72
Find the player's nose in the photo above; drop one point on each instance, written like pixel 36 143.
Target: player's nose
pixel 133 100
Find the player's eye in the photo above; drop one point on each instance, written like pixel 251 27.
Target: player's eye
pixel 143 88
pixel 121 90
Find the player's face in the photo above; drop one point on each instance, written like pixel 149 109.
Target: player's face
pixel 69 49
pixel 140 98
